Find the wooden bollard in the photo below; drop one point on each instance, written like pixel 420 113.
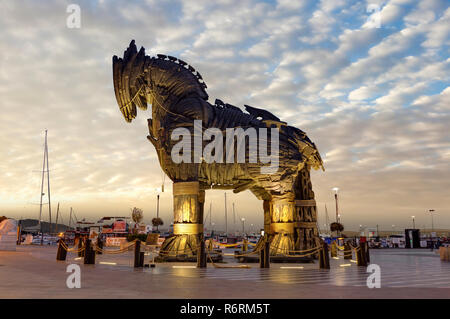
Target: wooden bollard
pixel 99 245
pixel 87 251
pixel 267 254
pixel 201 255
pixel 444 253
pixel 61 254
pixel 321 259
pixel 364 253
pixel 80 245
pixel 92 256
pixel 244 245
pixel 347 251
pixel 261 257
pixel 367 253
pixel 210 245
pixel 361 255
pixel 333 249
pixel 137 255
pixel 141 259
pixel 326 257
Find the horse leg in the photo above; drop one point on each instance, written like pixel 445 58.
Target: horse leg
pixel 188 204
pixel 282 225
pixel 305 213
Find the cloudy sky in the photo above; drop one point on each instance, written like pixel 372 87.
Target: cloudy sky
pixel 376 101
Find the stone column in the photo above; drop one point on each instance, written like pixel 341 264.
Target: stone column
pixel 188 201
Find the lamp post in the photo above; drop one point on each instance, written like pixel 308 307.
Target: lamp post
pixel 432 228
pixel 414 222
pixel 336 189
pixel 243 226
pixel 393 229
pixel 158 190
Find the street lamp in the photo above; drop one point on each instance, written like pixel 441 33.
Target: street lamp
pixel 158 190
pixel 336 189
pixel 414 222
pixel 432 223
pixel 432 228
pixel 243 226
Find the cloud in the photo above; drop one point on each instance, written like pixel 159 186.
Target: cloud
pixel 374 100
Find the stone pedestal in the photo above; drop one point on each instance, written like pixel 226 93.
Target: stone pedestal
pixel 188 202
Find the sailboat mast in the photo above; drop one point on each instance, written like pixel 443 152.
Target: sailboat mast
pixel 226 217
pixel 70 219
pixel 42 192
pixel 234 219
pixel 57 215
pixel 48 185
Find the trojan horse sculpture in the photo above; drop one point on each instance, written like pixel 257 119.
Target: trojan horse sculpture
pixel 178 98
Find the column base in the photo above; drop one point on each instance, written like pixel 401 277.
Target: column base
pixel 181 247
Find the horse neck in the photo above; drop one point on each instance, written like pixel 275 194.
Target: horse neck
pixel 170 82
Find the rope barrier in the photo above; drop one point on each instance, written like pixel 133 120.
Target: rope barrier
pixel 297 251
pixel 116 251
pixel 247 254
pixel 296 256
pixel 73 249
pixel 218 266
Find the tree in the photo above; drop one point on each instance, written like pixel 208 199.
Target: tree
pixel 157 221
pixel 137 214
pixel 337 227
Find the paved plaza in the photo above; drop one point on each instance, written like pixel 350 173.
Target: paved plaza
pixel 33 272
